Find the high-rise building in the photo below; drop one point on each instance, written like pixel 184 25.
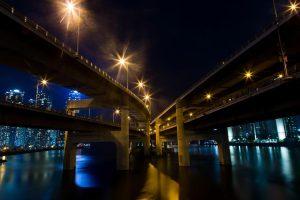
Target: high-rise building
pixel 43 100
pixel 290 127
pixel 60 139
pixel 20 138
pixel 4 136
pixel 14 96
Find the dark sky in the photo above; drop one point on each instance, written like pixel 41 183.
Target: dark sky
pixel 172 43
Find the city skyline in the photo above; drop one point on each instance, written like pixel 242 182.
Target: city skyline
pixel 22 138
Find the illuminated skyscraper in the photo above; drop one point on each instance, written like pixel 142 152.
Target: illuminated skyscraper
pixel 20 138
pixel 43 100
pixel 290 127
pixel 5 136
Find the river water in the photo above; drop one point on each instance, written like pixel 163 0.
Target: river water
pixel 256 173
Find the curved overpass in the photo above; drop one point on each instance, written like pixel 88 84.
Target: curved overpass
pixel 228 86
pixel 27 46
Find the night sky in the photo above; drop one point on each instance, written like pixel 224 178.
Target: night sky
pixel 172 43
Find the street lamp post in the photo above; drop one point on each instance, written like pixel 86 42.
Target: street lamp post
pixel 282 53
pixel 147 98
pixel 70 8
pixel 78 30
pixel 43 82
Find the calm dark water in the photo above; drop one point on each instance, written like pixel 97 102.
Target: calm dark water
pixel 256 173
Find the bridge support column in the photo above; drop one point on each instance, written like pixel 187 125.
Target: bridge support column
pixel 183 143
pixel 147 139
pixel 69 152
pixel 122 141
pixel 223 148
pixel 157 138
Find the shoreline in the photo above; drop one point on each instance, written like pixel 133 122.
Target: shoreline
pixel 27 151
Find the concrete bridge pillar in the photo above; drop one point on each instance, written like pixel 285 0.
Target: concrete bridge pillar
pixel 69 152
pixel 122 141
pixel 147 139
pixel 182 141
pixel 223 148
pixel 157 138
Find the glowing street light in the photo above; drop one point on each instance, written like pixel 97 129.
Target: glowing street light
pixel 122 62
pixel 141 84
pixel 116 112
pixel 208 96
pixel 147 98
pixel 42 82
pixel 293 7
pixel 280 76
pixel 191 114
pixel 70 6
pixel 248 74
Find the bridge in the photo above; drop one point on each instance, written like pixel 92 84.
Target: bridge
pixel 29 47
pixel 250 86
pixel 32 117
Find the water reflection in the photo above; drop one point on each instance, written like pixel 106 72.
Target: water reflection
pixel 286 164
pixel 256 173
pixel 159 186
pixel 83 174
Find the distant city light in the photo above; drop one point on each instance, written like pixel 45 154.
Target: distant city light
pixel 16 90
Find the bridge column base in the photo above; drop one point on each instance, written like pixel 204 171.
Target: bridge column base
pixel 157 138
pixel 182 141
pixel 223 148
pixel 122 145
pixel 69 153
pixel 122 142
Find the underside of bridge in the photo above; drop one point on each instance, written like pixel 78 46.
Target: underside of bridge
pixel 226 97
pixel 30 48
